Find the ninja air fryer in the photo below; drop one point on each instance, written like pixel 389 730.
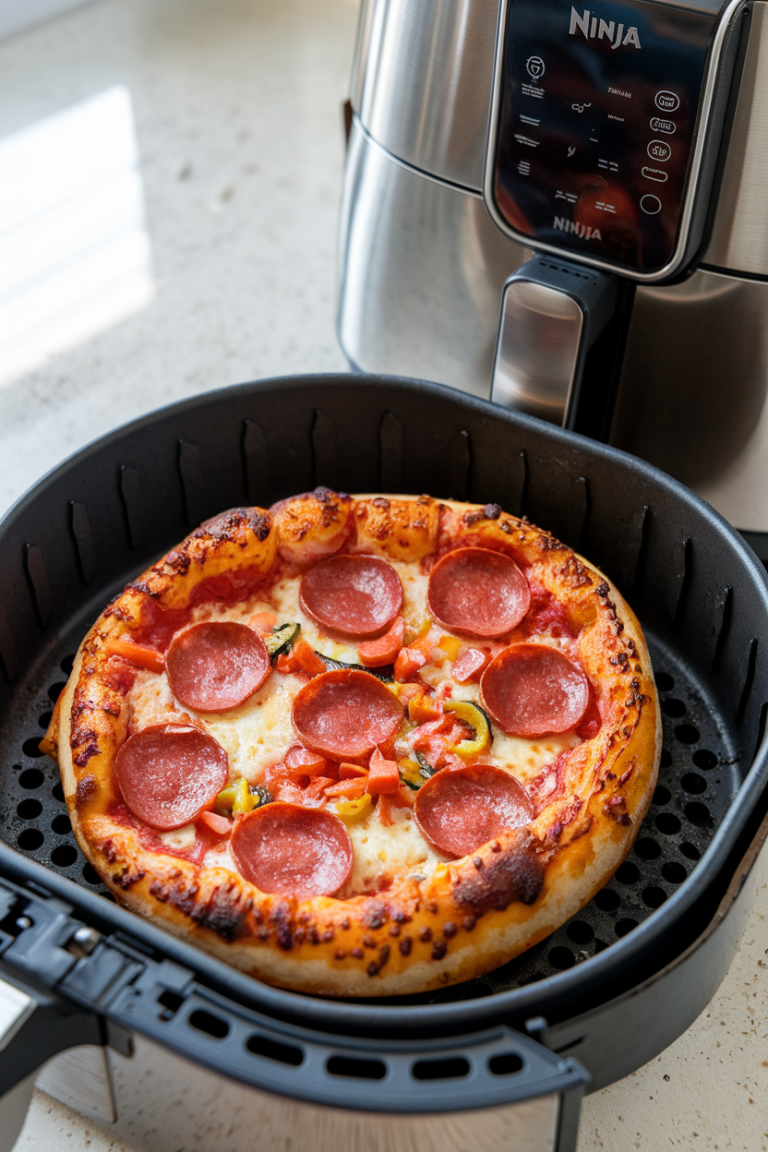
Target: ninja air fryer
pixel 559 207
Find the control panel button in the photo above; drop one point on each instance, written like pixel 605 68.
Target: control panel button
pixel 659 150
pixel 655 174
pixel 659 125
pixel 651 205
pixel 667 101
pixel 535 67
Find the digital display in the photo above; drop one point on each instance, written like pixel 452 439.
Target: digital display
pixel 598 106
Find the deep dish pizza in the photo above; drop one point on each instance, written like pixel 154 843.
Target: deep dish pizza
pixel 360 746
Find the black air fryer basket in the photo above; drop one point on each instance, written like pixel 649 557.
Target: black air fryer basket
pixel 604 994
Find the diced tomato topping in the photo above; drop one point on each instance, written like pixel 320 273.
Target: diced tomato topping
pixel 437 739
pixel 423 709
pixel 377 653
pixel 415 655
pixel 138 654
pixel 301 658
pixel 350 771
pixel 291 787
pixel 408 662
pixel 470 665
pixel 383 775
pixel 262 622
pixel 316 790
pixel 384 809
pixel 218 824
pixel 281 785
pixel 347 789
pixel 300 761
pixel 408 692
pixel 404 797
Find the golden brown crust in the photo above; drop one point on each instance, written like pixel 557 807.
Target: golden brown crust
pixel 471 914
pixel 399 530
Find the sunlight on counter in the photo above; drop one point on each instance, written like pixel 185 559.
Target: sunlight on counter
pixel 74 251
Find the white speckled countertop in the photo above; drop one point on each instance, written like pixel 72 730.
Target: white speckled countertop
pixel 214 190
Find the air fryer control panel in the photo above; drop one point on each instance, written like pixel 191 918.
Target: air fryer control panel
pixel 599 105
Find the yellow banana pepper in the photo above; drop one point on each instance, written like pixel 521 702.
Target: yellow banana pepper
pixel 473 716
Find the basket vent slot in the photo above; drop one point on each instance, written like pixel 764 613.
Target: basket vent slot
pixel 29 809
pixel 324 451
pixel 31 778
pixel 449 1068
pixel 678 581
pixel 206 1022
pixel 516 487
pixel 635 548
pixel 705 759
pixel 356 1068
pixel 191 472
pixel 748 682
pixel 761 727
pixel 130 490
pixel 255 457
pixel 8 653
pixel 86 550
pixel 274 1050
pixel 577 511
pixel 723 614
pixel 63 855
pixel 459 459
pixel 170 1002
pixel 391 453
pixel 29 839
pixel 506 1064
pixel 41 587
pixel 685 582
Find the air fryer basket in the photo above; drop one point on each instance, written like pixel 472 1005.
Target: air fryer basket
pixel 92 524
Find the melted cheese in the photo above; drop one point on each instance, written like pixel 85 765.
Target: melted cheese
pixel 382 853
pixel 180 838
pixel 259 732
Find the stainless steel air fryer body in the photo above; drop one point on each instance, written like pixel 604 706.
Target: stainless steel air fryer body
pixel 423 265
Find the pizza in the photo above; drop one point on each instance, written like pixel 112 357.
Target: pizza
pixel 360 746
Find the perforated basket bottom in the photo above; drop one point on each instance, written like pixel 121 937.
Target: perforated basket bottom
pixel 697 782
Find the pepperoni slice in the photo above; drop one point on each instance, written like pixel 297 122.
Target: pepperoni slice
pixel 460 809
pixel 168 773
pixel 478 592
pixel 533 690
pixel 356 596
pixel 216 666
pixel 289 850
pixel 345 713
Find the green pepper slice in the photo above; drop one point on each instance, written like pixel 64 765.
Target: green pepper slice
pixel 281 639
